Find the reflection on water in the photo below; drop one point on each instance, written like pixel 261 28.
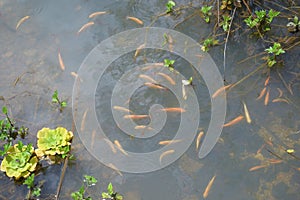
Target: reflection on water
pixel 30 72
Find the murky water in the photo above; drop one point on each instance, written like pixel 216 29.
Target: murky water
pixel 30 72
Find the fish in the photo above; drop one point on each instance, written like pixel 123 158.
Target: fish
pixel 234 121
pixel 184 96
pixel 247 115
pixel 85 26
pixel 257 167
pixel 280 100
pixel 112 147
pixel 136 116
pixel 155 86
pixel 137 51
pixel 152 66
pixel 119 108
pixel 208 187
pixel 266 102
pixel 22 20
pixel 180 110
pixel 148 78
pixel 83 120
pixel 275 161
pixel 167 142
pixel 267 81
pixel 260 149
pixel 139 127
pixel 262 93
pixel 136 20
pixel 117 143
pixel 61 63
pixel 200 135
pixel 167 77
pixel 115 168
pixel 220 90
pixel 94 14
pixel 93 139
pixel 280 92
pixel 165 153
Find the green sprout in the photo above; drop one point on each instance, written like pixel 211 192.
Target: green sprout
pixel 225 23
pixel 170 5
pixel 8 130
pixel 262 20
pixel 169 63
pixel 206 11
pixel 19 161
pixel 208 43
pixel 34 191
pixel 111 194
pixel 88 181
pixel 56 100
pixel 275 50
pixel 226 4
pixel 53 142
pixel 293 26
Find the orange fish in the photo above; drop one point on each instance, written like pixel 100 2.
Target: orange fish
pixel 261 148
pixel 280 92
pixel 221 90
pixel 155 86
pixel 200 135
pixel 208 187
pixel 115 168
pixel 83 120
pixel 165 153
pixel 97 13
pixel 148 78
pixel 167 77
pixel 280 100
pixel 136 20
pixel 117 143
pixel 275 161
pixel 122 109
pixel 181 110
pixel 234 121
pixel 247 115
pixel 257 167
pixel 262 93
pixel 267 81
pixel 21 21
pixel 167 142
pixel 139 127
pixel 61 63
pixel 266 102
pixel 137 51
pixel 136 116
pixel 85 26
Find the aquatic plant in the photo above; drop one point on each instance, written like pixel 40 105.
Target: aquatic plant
pixel 274 50
pixel 262 20
pixel 293 26
pixel 226 22
pixel 226 4
pixel 55 100
pixel 34 191
pixel 88 182
pixel 169 63
pixel 169 6
pixel 209 42
pixel 19 161
pixel 111 194
pixel 53 142
pixel 206 11
pixel 8 130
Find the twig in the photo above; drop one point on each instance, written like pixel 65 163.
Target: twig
pixel 62 177
pixel 225 47
pixel 218 5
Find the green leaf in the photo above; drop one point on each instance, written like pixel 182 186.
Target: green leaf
pixel 36 192
pixel 55 97
pixel 110 189
pixel 105 195
pixel 63 104
pixel 29 181
pixel 90 180
pixel 4 110
pixel 119 197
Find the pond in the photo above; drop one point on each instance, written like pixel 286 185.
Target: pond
pixel 58 47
